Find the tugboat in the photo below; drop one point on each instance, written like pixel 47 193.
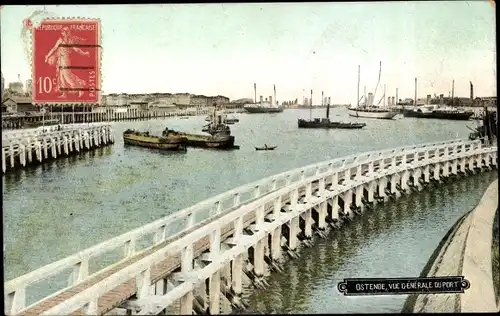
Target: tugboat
pixel 325 122
pixel 368 110
pixel 167 141
pixel 220 135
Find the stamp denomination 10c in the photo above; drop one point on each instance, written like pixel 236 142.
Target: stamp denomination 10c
pixel 66 62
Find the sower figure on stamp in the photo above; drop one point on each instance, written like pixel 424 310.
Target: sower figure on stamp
pixel 59 55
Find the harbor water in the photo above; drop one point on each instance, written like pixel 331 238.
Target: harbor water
pixel 53 210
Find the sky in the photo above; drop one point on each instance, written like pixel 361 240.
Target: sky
pixel 223 49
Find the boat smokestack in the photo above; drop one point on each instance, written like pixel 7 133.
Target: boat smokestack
pixel 428 100
pixel 441 99
pixel 310 108
pixel 453 92
pixel 255 92
pixel 261 99
pixel 274 87
pixel 370 99
pixel 471 91
pixel 271 99
pixel 328 109
pixel 397 100
pixel 322 98
pixel 415 102
pixel 393 103
pixel 364 95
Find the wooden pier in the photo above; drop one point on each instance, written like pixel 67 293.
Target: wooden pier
pixel 23 147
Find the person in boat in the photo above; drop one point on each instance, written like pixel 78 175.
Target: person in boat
pixel 265 146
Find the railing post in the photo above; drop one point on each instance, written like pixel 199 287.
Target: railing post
pixel 308 192
pixel 256 192
pixel 91 308
pixel 129 247
pixel 274 183
pixel 277 208
pixel 259 217
pixel 217 207
pixel 294 199
pixel 215 242
pixel 335 180
pixel 236 199
pixel 322 187
pixel 238 228
pixel 143 282
pixel 160 234
pixel 16 301
pixel 190 220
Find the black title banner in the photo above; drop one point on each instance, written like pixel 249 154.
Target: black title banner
pixel 397 286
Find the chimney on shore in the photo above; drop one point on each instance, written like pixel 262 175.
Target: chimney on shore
pixel 471 91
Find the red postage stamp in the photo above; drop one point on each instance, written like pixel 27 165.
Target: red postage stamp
pixel 66 62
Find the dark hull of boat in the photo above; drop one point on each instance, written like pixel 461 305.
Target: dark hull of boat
pixel 313 124
pixel 264 148
pixel 437 115
pixel 174 146
pixel 263 110
pixel 206 141
pixel 232 121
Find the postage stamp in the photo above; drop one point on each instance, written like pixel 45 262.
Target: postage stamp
pixel 66 61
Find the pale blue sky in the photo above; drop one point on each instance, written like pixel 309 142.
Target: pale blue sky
pixel 224 48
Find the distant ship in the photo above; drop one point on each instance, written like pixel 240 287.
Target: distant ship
pixel 325 122
pixel 369 110
pixel 263 107
pixel 436 111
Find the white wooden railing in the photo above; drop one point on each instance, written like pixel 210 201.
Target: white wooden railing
pixel 419 157
pixel 236 199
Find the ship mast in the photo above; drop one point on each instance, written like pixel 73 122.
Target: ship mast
pixel 364 96
pixel 415 103
pixel 255 93
pixel 359 74
pixel 275 102
pixel 311 106
pixel 453 92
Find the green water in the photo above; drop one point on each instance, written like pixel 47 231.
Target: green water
pixel 52 211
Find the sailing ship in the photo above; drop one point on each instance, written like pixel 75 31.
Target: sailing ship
pixel 325 122
pixel 369 110
pixel 263 106
pixel 436 111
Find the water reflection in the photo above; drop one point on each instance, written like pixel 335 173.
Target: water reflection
pixel 392 240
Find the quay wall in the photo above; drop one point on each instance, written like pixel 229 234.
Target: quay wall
pixel 35 146
pixel 465 250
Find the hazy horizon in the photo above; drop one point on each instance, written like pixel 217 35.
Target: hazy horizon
pixel 223 49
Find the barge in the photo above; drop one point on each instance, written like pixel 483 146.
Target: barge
pixel 216 141
pixel 167 141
